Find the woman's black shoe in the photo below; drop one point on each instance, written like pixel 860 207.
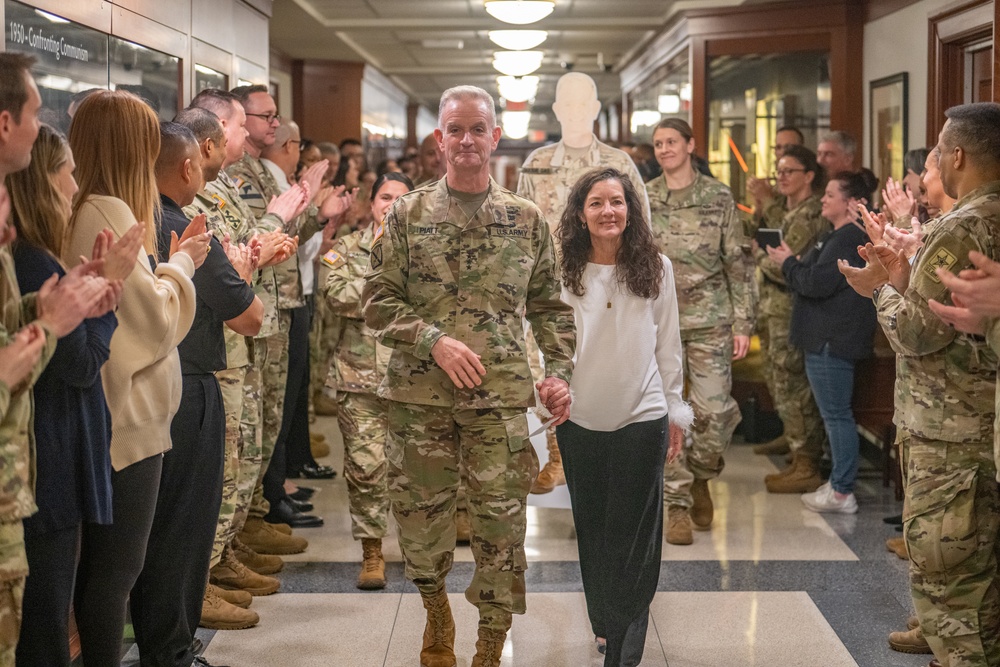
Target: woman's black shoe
pixel 310 471
pixel 283 512
pixel 303 494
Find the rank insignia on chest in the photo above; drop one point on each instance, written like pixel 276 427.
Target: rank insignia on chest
pixel 942 259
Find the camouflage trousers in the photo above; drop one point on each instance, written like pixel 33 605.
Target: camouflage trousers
pixel 785 372
pixel 240 396
pixel 425 448
pixel 362 419
pixel 271 356
pixel 951 519
pixel 13 571
pixel 708 375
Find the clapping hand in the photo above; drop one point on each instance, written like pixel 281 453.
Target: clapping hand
pixel 241 257
pixel 63 304
pixel 909 242
pixel 290 203
pixel 119 257
pixel 19 356
pixel 898 200
pixel 312 179
pixel 895 263
pixel 875 224
pixel 194 241
pixel 779 254
pixel 864 280
pixel 336 201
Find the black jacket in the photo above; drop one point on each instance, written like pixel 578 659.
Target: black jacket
pixel 825 308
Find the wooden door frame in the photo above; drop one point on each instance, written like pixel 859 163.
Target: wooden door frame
pixel 949 33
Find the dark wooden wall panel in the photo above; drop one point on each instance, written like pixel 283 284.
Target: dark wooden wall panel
pixel 326 100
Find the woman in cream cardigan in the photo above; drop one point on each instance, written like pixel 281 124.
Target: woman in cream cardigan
pixel 115 138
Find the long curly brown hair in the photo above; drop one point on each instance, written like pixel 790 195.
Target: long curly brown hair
pixel 638 262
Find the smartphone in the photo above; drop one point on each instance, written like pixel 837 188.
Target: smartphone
pixel 768 237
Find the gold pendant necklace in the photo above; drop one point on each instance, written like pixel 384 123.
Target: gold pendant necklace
pixel 607 290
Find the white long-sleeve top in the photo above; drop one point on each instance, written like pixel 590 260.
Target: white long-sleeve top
pixel 628 366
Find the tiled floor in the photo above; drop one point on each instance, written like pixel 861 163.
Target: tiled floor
pixel 771 585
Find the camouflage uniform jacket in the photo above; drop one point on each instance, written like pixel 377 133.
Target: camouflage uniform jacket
pixel 800 228
pixel 549 174
pixel 359 360
pixel 256 186
pixel 436 272
pixel 17 406
pixel 699 230
pixel 227 213
pixel 950 378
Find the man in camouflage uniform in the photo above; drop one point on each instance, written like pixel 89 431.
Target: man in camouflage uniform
pixel 698 228
pixel 784 368
pixel 546 178
pixel 945 414
pixel 227 213
pixel 29 327
pixel 458 267
pixel 360 364
pixel 257 186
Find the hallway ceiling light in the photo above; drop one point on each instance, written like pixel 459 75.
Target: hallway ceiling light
pixel 518 40
pixel 517 63
pixel 517 89
pixel 519 12
pixel 515 123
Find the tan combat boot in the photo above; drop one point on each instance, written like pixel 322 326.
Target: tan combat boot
pixel 804 478
pixel 911 641
pixel 775 447
pixel 912 622
pixel 318 446
pixel 463 527
pixel 702 511
pixel 282 528
pixel 784 472
pixel 438 649
pixel 552 474
pixel 372 575
pixel 489 647
pixel 240 599
pixel 264 538
pixel 897 545
pixel 679 525
pixel 217 614
pixel 259 563
pixel 324 405
pixel 232 574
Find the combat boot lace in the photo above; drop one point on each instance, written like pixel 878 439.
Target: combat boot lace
pixel 259 563
pixel 679 526
pixel 231 574
pixel 217 614
pixel 439 633
pixel 372 575
pixel 489 648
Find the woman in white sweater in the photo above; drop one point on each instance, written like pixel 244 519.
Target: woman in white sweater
pixel 627 405
pixel 115 138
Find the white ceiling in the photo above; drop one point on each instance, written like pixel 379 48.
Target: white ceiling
pixel 597 36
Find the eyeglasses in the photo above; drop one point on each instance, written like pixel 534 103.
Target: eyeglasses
pixel 781 173
pixel 266 117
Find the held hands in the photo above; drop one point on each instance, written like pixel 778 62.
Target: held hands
pixel 461 364
pixel 554 395
pixel 19 356
pixel 194 241
pixel 119 257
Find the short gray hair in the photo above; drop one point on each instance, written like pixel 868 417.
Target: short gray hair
pixel 846 141
pixel 283 133
pixel 468 93
pixel 328 148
